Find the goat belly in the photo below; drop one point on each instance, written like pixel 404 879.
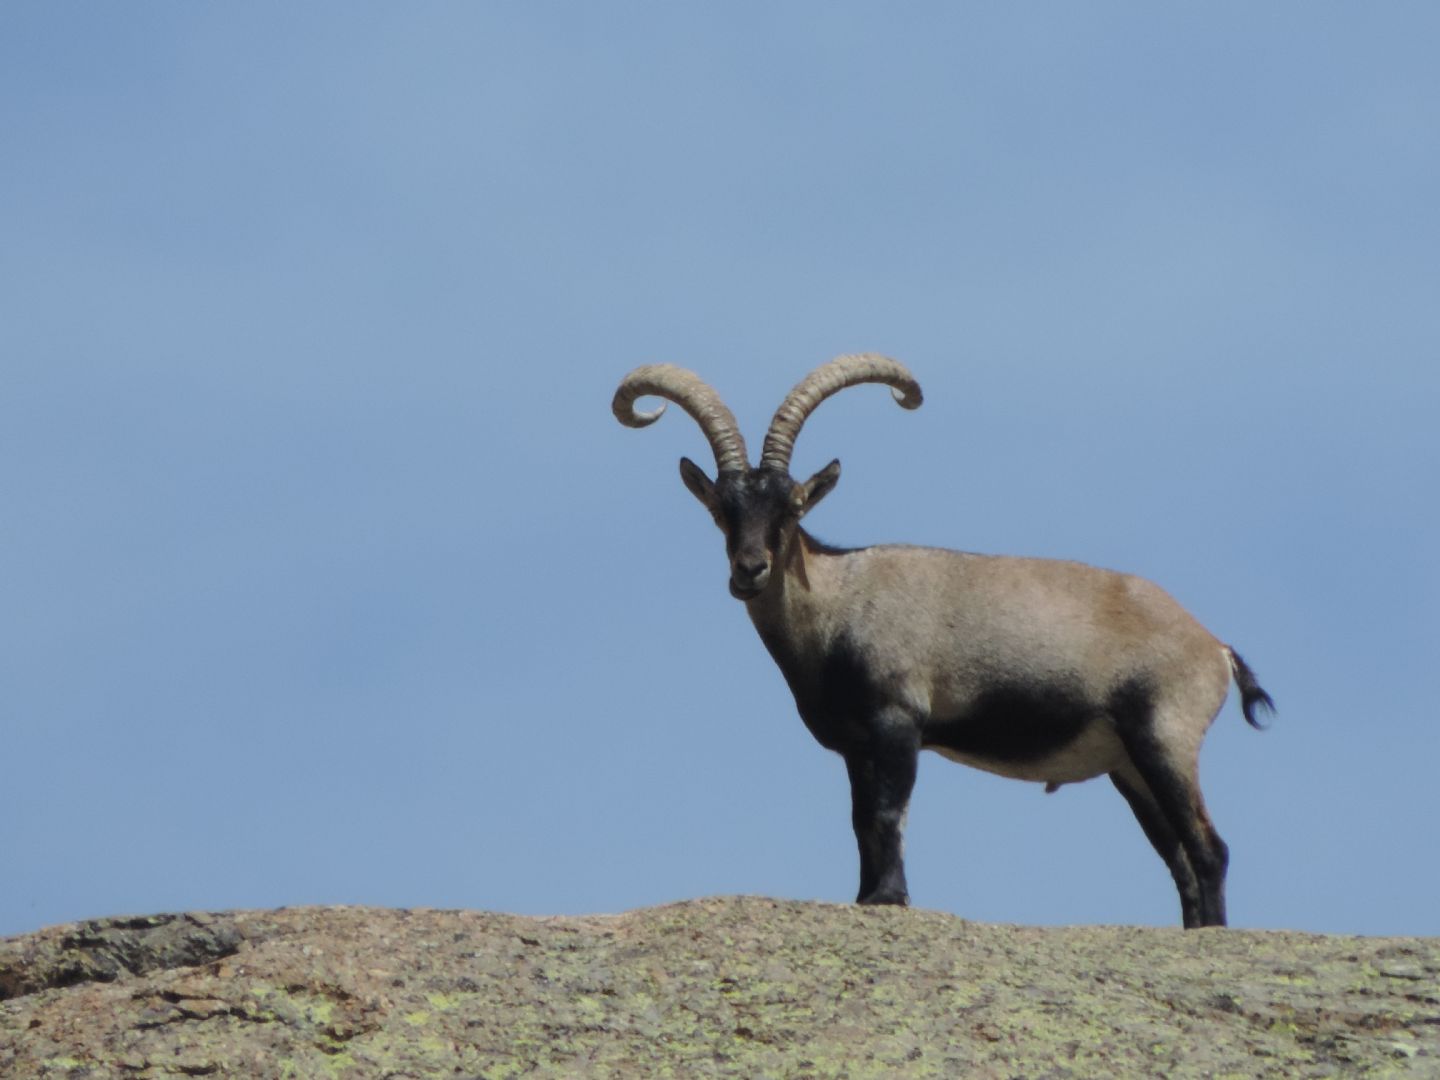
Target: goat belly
pixel 1007 734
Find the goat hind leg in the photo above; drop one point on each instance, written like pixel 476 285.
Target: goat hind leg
pixel 1175 789
pixel 1163 839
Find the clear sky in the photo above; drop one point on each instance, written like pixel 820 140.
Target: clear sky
pixel 326 575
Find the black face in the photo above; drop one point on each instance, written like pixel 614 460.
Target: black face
pixel 758 511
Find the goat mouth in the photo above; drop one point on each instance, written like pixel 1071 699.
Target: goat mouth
pixel 747 592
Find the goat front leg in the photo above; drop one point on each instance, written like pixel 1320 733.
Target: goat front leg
pixel 882 775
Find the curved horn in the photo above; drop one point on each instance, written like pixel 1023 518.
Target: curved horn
pixel 692 394
pixel 825 380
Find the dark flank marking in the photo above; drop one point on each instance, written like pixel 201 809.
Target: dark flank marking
pixel 1016 722
pixel 1132 704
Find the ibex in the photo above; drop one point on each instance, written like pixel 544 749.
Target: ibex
pixel 1054 672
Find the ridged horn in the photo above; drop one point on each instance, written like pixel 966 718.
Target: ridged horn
pixel 825 380
pixel 695 396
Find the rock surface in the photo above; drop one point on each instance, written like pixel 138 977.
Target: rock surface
pixel 741 987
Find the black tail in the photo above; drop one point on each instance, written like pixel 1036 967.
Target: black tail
pixel 1251 693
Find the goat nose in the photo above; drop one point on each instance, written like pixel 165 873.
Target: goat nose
pixel 750 568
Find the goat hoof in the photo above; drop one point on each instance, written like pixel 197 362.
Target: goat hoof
pixel 893 899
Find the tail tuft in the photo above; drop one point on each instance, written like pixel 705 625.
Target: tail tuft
pixel 1251 693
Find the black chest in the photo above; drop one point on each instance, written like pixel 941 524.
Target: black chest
pixel 834 690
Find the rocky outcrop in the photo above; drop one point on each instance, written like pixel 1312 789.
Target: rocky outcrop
pixel 740 987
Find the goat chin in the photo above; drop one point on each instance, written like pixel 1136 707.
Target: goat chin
pixel 750 591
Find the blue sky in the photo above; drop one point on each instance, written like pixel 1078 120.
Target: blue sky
pixel 327 575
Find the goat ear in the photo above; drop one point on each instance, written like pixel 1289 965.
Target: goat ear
pixel 700 485
pixel 820 485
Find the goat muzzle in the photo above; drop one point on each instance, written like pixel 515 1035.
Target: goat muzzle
pixel 748 580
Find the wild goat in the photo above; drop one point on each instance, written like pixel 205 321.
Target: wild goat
pixel 1039 670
